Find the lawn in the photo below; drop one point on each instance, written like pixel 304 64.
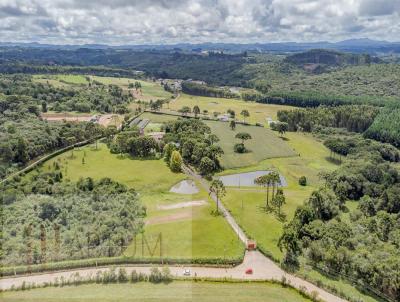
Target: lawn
pixel 258 112
pixel 246 204
pixel 174 292
pixel 264 144
pixel 186 232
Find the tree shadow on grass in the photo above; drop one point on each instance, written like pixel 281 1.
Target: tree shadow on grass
pixel 284 138
pixel 332 160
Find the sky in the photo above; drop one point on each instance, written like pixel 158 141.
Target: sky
pixel 122 22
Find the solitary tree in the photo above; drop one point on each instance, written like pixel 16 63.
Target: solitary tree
pixel 196 110
pixel 176 161
pixel 243 136
pixel 218 189
pixel 184 110
pixel 279 200
pixel 232 124
pixel 245 113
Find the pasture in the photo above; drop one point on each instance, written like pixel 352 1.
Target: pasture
pixel 264 144
pixel 247 204
pixel 177 291
pixel 258 112
pixel 186 232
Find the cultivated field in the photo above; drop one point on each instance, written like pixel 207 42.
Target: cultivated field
pixel 176 291
pixel 189 232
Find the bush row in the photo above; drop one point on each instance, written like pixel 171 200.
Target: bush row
pixel 94 262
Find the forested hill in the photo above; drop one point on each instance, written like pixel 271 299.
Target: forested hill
pixel 330 57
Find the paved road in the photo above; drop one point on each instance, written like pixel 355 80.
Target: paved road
pixel 263 269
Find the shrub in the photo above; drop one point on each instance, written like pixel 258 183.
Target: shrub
pixel 239 148
pixel 302 181
pixel 122 275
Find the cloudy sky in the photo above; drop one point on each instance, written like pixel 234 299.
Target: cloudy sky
pixel 175 21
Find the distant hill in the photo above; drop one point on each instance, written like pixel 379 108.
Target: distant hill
pixel 329 57
pixel 363 45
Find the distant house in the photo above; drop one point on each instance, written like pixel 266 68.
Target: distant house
pixel 223 117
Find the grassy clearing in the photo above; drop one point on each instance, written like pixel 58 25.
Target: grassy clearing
pixel 175 291
pixel 186 233
pixel 150 90
pixel 264 144
pixel 158 118
pixel 246 204
pixel 258 112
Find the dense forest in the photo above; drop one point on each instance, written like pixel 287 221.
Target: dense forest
pixel 278 78
pixel 381 124
pixel 350 227
pixel 386 126
pixel 46 219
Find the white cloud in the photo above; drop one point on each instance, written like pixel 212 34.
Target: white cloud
pixel 173 21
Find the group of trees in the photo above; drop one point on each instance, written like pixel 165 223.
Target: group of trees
pixel 25 136
pixel 351 243
pixel 195 142
pixel 130 141
pixel 46 219
pixel 205 90
pixel 353 118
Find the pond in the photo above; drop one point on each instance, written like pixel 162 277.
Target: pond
pixel 247 179
pixel 185 187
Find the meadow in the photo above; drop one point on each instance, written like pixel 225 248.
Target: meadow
pixel 190 232
pixel 258 112
pixel 247 205
pixel 264 144
pixel 176 291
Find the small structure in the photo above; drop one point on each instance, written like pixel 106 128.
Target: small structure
pixel 223 117
pixel 251 245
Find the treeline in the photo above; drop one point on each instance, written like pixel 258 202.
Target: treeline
pixel 353 118
pixel 205 90
pixel 315 99
pixel 43 218
pixel 26 68
pixel 361 244
pixel 195 142
pixel 386 126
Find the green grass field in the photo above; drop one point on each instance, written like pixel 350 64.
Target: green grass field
pixel 62 80
pixel 177 291
pixel 258 112
pixel 264 144
pixel 150 90
pixel 186 232
pixel 246 204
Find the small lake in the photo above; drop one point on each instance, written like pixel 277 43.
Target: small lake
pixel 247 179
pixel 185 187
